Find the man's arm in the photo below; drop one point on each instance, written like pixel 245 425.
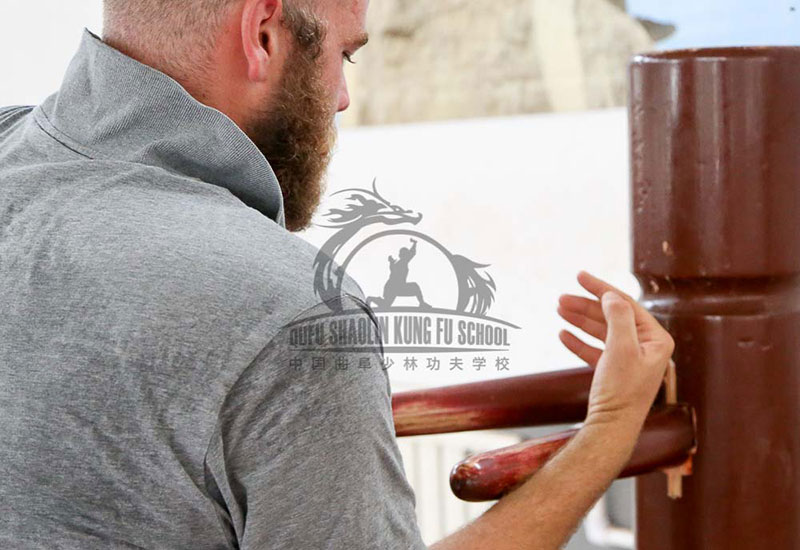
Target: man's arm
pixel 544 511
pixel 304 454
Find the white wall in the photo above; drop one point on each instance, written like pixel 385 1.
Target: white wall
pixel 538 197
pixel 37 40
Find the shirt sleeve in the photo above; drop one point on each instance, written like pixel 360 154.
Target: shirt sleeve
pixel 304 455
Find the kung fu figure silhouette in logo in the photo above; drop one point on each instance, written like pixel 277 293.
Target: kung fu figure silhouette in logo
pixel 398 284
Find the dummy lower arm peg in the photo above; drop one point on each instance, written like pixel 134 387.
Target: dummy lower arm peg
pixel 667 439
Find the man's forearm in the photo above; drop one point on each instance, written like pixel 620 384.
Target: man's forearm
pixel 544 511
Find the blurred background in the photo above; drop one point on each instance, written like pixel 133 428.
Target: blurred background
pixel 504 123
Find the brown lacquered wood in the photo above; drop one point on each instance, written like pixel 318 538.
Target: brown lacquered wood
pixel 667 439
pixel 534 400
pixel 715 174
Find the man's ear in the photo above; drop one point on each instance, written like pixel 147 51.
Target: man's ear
pixel 261 26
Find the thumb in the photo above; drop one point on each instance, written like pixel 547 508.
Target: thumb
pixel 621 333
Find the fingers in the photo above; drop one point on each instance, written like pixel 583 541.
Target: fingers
pixel 598 287
pixel 622 334
pixel 581 321
pixel 584 351
pixel 583 306
pixel 635 329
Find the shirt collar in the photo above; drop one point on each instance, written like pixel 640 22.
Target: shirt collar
pixel 114 107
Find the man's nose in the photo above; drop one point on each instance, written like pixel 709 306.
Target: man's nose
pixel 344 99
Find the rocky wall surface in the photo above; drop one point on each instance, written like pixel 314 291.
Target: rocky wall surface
pixel 461 59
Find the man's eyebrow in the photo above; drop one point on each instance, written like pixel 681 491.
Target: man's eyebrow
pixel 360 40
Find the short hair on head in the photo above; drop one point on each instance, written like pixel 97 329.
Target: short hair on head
pixel 163 26
pixel 179 35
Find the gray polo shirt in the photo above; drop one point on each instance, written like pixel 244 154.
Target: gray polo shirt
pixel 149 395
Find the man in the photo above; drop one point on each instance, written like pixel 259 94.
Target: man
pixel 149 395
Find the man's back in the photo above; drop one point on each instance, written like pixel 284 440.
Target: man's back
pixel 146 395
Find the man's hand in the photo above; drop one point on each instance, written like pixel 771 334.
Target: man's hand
pixel 629 372
pixel 545 510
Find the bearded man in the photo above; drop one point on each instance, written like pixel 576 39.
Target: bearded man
pixel 149 272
